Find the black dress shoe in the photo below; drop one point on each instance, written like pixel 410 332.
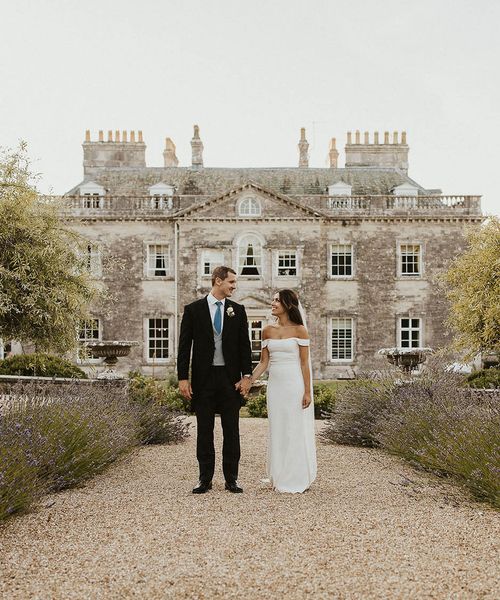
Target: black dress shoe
pixel 233 487
pixel 202 487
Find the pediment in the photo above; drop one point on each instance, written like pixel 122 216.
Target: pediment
pixel 257 202
pixel 91 187
pixel 405 189
pixel 339 189
pixel 162 188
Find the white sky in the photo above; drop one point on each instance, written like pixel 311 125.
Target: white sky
pixel 251 73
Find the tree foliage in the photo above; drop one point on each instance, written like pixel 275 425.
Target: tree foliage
pixel 473 287
pixel 45 289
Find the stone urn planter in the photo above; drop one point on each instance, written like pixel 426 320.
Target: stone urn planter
pixel 110 351
pixel 407 359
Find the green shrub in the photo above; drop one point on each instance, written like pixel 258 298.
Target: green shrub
pixel 144 389
pixel 485 379
pixel 256 405
pixel 324 399
pixel 41 365
pixel 158 405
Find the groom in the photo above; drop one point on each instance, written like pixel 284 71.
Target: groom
pixel 217 330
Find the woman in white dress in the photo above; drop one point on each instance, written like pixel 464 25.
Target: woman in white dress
pixel 291 450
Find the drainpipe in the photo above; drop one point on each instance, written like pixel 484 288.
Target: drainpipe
pixel 176 285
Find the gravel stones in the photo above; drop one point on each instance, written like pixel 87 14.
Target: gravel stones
pixel 369 527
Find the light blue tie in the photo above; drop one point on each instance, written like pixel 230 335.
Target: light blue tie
pixel 218 318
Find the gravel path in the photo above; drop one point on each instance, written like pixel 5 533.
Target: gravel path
pixel 370 527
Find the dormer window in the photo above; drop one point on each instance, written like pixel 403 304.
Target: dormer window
pixel 340 189
pixel 339 195
pixel 161 196
pixel 407 196
pixel 92 194
pixel 249 207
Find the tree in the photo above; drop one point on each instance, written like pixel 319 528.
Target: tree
pixel 473 287
pixel 45 289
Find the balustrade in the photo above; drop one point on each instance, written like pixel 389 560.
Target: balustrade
pixel 394 204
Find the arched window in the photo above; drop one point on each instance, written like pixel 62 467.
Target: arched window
pixel 250 256
pixel 249 207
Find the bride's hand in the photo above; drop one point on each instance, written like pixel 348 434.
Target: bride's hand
pixel 306 400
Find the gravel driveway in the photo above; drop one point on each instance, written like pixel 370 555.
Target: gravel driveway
pixel 370 527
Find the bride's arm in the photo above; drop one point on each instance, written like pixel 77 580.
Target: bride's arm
pixel 304 365
pixel 262 366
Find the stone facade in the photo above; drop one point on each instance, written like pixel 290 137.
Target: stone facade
pixel 364 263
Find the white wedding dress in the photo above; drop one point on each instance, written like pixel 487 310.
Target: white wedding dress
pixel 291 450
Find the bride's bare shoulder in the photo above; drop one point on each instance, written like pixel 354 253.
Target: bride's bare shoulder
pixel 269 331
pixel 301 332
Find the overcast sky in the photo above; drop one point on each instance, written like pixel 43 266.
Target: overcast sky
pixel 250 73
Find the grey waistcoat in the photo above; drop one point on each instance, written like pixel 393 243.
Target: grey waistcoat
pixel 218 356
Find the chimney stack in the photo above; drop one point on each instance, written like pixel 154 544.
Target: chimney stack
pixel 333 154
pixel 303 149
pixel 116 151
pixel 169 157
pixel 196 149
pixel 382 155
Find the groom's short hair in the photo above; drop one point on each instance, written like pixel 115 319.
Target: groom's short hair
pixel 221 273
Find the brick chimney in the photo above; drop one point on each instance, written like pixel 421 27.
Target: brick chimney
pixel 389 154
pixel 118 151
pixel 303 149
pixel 169 157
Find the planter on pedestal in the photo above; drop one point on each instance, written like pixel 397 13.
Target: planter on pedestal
pixel 110 351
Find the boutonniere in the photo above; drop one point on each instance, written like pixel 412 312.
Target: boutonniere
pixel 230 311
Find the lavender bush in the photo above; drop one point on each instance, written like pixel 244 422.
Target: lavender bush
pixel 357 409
pixel 437 423
pixel 54 437
pixel 434 421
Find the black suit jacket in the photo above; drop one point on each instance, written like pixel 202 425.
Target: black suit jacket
pixel 197 333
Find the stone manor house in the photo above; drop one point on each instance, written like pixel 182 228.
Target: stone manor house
pixel 361 244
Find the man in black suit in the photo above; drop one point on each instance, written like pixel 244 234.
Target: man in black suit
pixel 217 331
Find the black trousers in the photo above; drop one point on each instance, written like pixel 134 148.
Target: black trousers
pixel 218 396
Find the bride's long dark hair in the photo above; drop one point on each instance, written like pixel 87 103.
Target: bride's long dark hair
pixel 290 302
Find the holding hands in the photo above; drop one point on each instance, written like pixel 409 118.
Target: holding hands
pixel 244 385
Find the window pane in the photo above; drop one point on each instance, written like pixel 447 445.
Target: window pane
pixel 410 333
pixel 255 332
pixel 341 260
pixel 158 260
pixel 287 264
pixel 342 341
pixel 410 259
pixel 88 331
pixel 249 256
pixel 158 340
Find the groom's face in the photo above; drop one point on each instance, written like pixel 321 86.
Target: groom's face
pixel 227 286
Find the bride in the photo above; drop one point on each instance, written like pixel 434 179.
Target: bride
pixel 291 451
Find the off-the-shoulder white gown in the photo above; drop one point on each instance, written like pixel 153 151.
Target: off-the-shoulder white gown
pixel 291 450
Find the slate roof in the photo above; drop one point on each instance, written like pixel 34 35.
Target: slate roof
pixel 128 181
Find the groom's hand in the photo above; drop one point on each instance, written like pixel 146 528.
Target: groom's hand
pixel 185 389
pixel 244 385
